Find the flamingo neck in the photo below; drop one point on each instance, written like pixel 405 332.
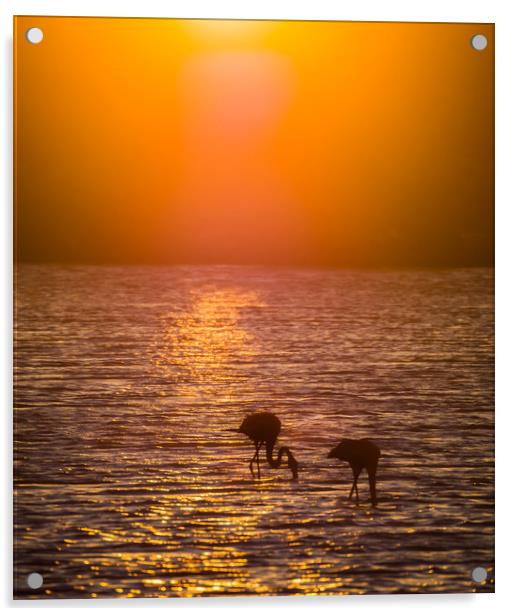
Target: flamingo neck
pixel 275 463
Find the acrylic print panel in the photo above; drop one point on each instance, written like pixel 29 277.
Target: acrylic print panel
pixel 254 261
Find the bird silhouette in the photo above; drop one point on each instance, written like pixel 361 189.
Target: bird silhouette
pixel 263 429
pixel 360 454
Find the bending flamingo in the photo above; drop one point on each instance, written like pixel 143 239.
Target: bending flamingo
pixel 360 454
pixel 263 429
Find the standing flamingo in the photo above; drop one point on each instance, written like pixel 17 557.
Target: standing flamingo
pixel 263 428
pixel 361 453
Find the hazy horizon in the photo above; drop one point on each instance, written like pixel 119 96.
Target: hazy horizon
pixel 294 266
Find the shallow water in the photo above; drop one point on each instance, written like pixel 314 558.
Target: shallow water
pixel 127 484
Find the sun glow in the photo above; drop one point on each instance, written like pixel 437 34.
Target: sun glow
pixel 208 141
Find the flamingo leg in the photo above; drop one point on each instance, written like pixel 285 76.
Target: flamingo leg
pixel 258 457
pixel 371 471
pixel 253 459
pixel 354 487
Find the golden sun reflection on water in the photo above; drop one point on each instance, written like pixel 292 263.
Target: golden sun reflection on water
pixel 199 355
pixel 217 564
pixel 200 348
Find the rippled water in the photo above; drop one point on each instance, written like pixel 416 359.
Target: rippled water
pixel 126 378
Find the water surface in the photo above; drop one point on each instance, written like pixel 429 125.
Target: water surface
pixel 126 378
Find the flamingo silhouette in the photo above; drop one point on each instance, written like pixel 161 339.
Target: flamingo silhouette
pixel 360 454
pixel 263 428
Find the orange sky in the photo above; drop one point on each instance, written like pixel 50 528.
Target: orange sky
pixel 306 143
